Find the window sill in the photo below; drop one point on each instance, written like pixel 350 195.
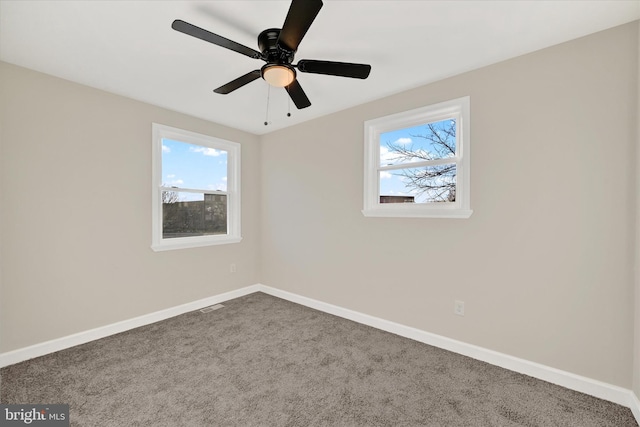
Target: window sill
pixel 422 213
pixel 194 242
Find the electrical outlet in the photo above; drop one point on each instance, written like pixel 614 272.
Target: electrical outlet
pixel 232 268
pixel 458 308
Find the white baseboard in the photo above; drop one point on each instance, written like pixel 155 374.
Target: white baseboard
pixel 58 344
pixel 635 406
pixel 571 381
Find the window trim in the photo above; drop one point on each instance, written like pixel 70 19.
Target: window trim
pixel 158 243
pixel 456 108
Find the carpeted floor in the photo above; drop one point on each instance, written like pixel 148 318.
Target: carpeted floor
pixel 263 361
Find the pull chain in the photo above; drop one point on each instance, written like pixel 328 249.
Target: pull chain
pixel 266 119
pixel 288 106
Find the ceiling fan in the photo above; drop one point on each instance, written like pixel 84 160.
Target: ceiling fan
pixel 277 49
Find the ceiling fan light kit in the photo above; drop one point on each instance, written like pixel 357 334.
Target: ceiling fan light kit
pixel 278 75
pixel 277 49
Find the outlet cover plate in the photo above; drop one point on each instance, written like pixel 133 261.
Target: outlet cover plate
pixel 458 308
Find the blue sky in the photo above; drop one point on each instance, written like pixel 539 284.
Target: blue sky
pixel 193 166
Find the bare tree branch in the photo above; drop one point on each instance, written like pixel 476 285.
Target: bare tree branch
pixel 170 196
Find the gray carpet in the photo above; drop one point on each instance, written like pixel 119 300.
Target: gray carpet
pixel 263 361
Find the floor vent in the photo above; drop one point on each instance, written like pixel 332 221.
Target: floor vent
pixel 211 308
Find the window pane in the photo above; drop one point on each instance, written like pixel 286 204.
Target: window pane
pixel 193 166
pixel 419 185
pixel 193 214
pixel 430 141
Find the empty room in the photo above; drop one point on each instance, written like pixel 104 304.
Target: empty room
pixel 320 212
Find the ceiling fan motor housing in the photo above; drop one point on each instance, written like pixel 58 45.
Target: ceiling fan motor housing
pixel 272 52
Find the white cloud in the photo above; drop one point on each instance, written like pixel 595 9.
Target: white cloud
pixel 386 156
pixel 403 141
pixel 218 187
pixel 385 175
pixel 207 151
pixel 171 182
pixel 165 149
pixel 224 178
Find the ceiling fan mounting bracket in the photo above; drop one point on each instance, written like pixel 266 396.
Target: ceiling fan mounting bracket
pixel 272 52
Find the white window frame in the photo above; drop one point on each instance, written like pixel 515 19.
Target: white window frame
pixel 233 235
pixel 458 109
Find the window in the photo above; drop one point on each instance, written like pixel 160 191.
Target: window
pixel 417 163
pixel 196 189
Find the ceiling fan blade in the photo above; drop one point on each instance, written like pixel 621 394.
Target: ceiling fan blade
pixel 297 95
pixel 238 83
pixel 192 30
pixel 299 18
pixel 332 68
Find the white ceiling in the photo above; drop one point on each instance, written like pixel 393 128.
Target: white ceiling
pixel 129 48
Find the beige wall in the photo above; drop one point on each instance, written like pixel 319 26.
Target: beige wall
pixel 75 190
pixel 545 263
pixel 636 352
